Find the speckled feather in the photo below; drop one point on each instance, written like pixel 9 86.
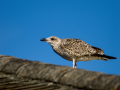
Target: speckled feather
pixel 78 47
pixel 75 48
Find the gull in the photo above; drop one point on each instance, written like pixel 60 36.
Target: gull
pixel 76 50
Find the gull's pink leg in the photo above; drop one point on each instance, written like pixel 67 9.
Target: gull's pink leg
pixel 74 63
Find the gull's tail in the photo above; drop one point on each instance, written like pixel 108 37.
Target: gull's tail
pixel 104 57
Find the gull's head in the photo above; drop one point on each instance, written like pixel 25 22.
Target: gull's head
pixel 53 41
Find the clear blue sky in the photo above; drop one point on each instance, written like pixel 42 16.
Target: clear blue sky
pixel 24 22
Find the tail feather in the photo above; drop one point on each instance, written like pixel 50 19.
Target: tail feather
pixel 109 57
pixel 104 56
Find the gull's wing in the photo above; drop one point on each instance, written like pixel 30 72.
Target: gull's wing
pixel 78 47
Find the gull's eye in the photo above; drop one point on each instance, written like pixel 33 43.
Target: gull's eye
pixel 52 39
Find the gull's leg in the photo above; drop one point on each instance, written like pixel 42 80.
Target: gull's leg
pixel 74 63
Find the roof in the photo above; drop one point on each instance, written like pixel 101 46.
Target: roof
pixel 16 73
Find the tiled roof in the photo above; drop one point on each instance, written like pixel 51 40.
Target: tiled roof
pixel 13 82
pixel 20 74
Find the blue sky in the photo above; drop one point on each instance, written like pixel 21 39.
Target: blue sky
pixel 24 22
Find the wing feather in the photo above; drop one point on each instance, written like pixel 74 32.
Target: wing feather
pixel 98 50
pixel 77 47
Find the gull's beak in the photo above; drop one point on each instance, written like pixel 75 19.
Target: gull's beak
pixel 43 39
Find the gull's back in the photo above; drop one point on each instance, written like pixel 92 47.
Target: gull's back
pixel 75 48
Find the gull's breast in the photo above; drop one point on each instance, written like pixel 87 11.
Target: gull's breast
pixel 63 53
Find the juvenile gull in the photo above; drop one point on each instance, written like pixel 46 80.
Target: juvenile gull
pixel 76 50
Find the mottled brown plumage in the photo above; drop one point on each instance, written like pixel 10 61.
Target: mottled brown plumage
pixel 76 50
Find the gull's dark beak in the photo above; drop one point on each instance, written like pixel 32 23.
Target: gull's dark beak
pixel 43 39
